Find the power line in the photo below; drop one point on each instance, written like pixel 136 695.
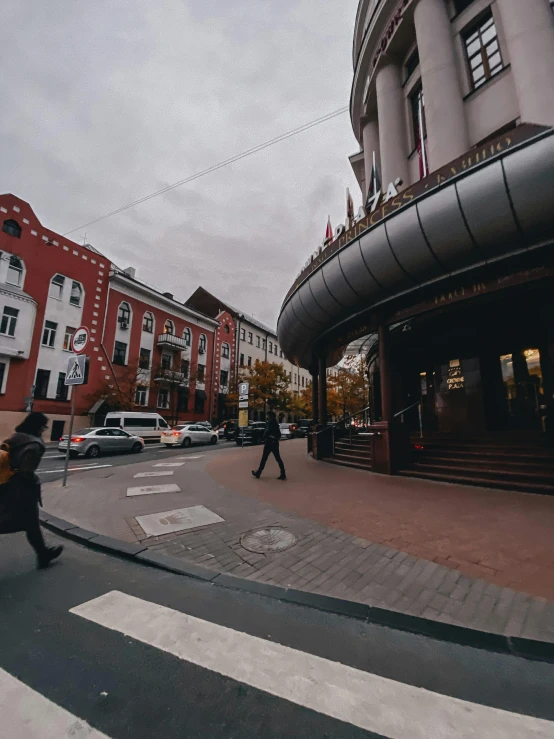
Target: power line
pixel 220 165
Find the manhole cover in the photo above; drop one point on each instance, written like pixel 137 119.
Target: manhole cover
pixel 272 539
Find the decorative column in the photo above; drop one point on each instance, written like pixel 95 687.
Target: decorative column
pixel 370 135
pixel 322 371
pixel 385 373
pixel 391 110
pixel 529 31
pixel 447 136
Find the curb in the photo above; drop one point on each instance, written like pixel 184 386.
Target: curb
pixel 461 635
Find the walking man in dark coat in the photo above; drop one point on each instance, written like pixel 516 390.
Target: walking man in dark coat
pixel 271 437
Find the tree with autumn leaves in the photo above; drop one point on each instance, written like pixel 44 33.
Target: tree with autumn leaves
pixel 269 387
pixel 347 389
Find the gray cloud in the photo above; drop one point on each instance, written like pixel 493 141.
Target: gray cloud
pixel 104 102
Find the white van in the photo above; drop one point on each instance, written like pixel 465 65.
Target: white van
pixel 148 425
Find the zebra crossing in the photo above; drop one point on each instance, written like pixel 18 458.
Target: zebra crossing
pixel 338 692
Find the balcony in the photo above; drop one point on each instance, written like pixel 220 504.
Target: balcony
pixel 170 341
pixel 169 377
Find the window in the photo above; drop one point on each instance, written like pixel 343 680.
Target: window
pixel 49 333
pixel 76 294
pixel 2 375
pixel 12 228
pixel 140 396
pixel 163 398
pixel 9 321
pixel 250 337
pixel 148 323
pixel 227 329
pixel 185 367
pixel 223 378
pixel 202 344
pixel 119 352
pixel 250 361
pixel 15 271
pixel 302 381
pixel 124 314
pixel 69 331
pixel 187 336
pixel 144 358
pixel 295 378
pixel 271 347
pixel 242 334
pixel 263 343
pixel 258 342
pixel 482 51
pixel 412 63
pixel 169 327
pixel 166 361
pixel 281 353
pixel 61 387
pixel 417 103
pixel 241 360
pixel 199 402
pixel 201 373
pixel 461 5
pixel 225 351
pixel 56 287
pixel 41 383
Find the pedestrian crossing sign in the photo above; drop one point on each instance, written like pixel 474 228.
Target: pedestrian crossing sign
pixel 77 371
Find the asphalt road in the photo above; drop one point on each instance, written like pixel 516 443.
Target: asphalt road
pixel 99 647
pixel 52 465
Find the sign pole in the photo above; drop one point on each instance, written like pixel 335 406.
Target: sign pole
pixel 72 418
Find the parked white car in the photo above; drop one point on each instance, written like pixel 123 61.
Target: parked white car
pixel 187 434
pixel 285 431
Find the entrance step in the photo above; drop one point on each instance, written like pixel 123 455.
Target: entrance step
pixel 521 487
pixel 514 473
pixel 352 453
pixel 347 463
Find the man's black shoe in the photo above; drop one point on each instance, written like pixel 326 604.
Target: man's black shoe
pixel 48 556
pixel 282 477
pixel 256 474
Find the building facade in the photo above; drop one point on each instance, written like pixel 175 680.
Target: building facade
pixel 445 281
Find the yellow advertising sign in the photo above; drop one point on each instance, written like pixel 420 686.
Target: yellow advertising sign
pixel 243 418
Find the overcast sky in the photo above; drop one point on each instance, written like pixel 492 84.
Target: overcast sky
pixel 104 102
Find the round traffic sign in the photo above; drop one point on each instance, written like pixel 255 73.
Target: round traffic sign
pixel 80 340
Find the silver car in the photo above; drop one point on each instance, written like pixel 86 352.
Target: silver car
pixel 188 433
pixel 93 442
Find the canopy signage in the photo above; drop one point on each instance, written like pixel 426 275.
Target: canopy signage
pixel 386 204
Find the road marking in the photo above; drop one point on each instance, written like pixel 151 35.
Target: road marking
pixel 152 489
pixel 169 464
pixel 27 714
pixel 157 524
pixel 76 469
pixel 189 456
pixel 160 473
pixel 53 456
pixel 370 702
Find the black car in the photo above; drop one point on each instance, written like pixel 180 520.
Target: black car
pixel 251 434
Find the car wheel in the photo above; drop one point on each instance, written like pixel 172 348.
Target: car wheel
pixel 93 452
pixel 136 448
pixel 186 442
pixel 213 440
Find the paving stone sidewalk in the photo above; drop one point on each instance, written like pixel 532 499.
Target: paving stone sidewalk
pixel 324 559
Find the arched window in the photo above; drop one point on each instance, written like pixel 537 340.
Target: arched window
pixel 76 293
pixel 15 271
pixel 148 323
pixel 12 228
pixel 202 343
pixel 187 336
pixel 226 329
pixel 169 327
pixel 124 315
pixel 225 351
pixel 56 287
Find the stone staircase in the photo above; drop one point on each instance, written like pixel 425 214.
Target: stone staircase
pixel 523 464
pixel 355 453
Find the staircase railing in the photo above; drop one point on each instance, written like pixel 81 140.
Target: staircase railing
pixel 342 422
pixel 409 408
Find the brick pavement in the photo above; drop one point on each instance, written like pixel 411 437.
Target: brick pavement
pixel 330 556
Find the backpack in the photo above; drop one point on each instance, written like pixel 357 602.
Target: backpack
pixel 6 471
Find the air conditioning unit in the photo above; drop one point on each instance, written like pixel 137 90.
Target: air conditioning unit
pixel 123 325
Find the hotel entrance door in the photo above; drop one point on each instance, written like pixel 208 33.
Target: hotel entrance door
pixel 523 388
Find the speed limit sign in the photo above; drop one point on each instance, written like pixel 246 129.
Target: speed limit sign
pixel 80 340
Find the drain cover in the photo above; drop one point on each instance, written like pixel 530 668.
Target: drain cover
pixel 272 539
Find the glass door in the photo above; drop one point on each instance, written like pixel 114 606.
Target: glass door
pixel 523 387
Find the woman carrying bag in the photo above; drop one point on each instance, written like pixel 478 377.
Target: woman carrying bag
pixel 20 493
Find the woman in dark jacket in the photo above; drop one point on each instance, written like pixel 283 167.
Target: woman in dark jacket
pixel 20 496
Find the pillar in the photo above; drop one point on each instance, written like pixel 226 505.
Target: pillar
pixel 391 111
pixel 529 32
pixel 447 136
pixel 315 397
pixel 322 371
pixel 370 135
pixel 385 373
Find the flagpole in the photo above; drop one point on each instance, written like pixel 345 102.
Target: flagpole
pixel 421 137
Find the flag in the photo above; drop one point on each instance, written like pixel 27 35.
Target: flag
pixel 329 230
pixel 421 147
pixel 349 208
pixel 374 184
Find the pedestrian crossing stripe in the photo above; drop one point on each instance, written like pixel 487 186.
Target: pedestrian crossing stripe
pixel 75 372
pixel 370 702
